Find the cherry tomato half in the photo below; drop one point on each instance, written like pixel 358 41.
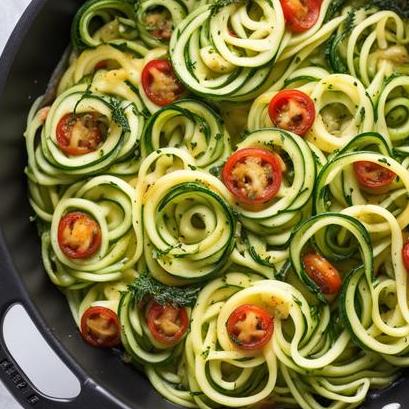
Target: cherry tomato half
pixel 323 273
pixel 100 327
pixel 301 15
pixel 373 176
pixel 78 134
pixel 405 255
pixel 293 111
pixel 79 235
pixel 167 324
pixel 253 175
pixel 160 83
pixel 250 327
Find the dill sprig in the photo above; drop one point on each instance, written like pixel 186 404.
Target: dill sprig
pixel 333 9
pixel 118 114
pixel 146 286
pixel 219 4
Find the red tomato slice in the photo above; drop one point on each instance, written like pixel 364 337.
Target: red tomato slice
pixel 79 235
pixel 250 327
pixel 100 327
pixel 323 273
pixel 293 111
pixel 167 324
pixel 373 176
pixel 405 255
pixel 159 23
pixel 301 15
pixel 253 175
pixel 80 134
pixel 160 83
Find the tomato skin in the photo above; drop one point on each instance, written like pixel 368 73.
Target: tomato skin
pixel 293 111
pixel 301 15
pixel 373 176
pixel 405 255
pixel 264 326
pixel 272 160
pixel 86 225
pixel 175 88
pixel 323 273
pixel 158 315
pixel 100 327
pixel 88 124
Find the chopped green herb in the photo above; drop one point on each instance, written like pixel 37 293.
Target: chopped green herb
pixel 146 286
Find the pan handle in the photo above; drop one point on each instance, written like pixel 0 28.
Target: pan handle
pixel 17 382
pixel 90 397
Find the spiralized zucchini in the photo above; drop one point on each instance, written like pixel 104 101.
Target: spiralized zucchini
pixel 160 15
pixel 193 125
pixel 108 200
pixel 189 227
pixel 140 156
pixel 115 19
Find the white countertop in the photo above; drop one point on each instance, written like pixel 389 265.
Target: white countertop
pixel 10 11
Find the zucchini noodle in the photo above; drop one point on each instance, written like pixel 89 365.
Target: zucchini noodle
pixel 148 11
pixel 189 226
pixel 194 126
pixel 115 18
pixel 109 200
pixel 143 212
pixel 343 109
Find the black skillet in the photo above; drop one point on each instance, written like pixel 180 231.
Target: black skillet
pixel 26 65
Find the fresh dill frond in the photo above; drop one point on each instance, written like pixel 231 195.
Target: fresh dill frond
pixel 333 9
pixel 118 114
pixel 219 4
pixel 146 286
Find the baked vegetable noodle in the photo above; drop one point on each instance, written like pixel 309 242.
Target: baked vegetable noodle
pixel 202 47
pixel 221 191
pixel 370 44
pixel 392 111
pixel 118 126
pixel 337 186
pixel 137 339
pixel 111 70
pixel 276 221
pixel 380 332
pixel 343 107
pixel 156 20
pixel 189 227
pixel 115 18
pixel 190 124
pixel 109 201
pixel 106 295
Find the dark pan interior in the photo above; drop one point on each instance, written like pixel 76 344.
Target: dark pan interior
pixel 40 50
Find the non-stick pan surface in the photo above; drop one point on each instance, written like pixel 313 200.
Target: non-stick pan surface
pixel 107 383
